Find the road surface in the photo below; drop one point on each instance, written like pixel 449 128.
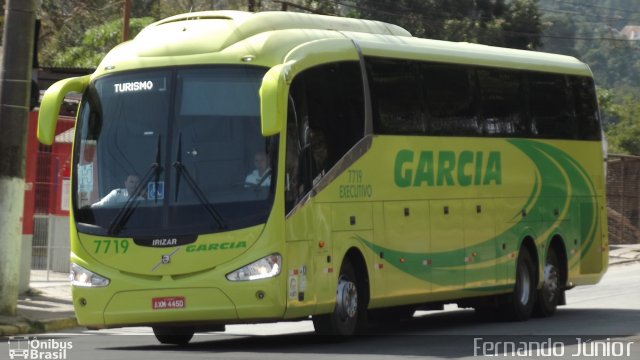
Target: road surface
pixel 600 321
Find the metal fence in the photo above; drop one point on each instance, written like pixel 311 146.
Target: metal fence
pixel 50 249
pixel 50 243
pixel 623 199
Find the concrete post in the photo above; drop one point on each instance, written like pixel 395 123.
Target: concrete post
pixel 15 88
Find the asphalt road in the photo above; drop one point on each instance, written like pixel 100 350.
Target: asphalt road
pixel 600 321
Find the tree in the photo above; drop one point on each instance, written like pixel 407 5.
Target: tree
pixel 590 32
pixel 514 24
pixel 64 25
pixel 563 30
pixel 96 42
pixel 624 136
pixel 522 25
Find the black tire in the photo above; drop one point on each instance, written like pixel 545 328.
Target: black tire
pixel 548 297
pixel 173 335
pixel 349 314
pixel 519 304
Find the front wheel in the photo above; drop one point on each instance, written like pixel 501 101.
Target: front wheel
pixel 549 296
pixel 520 303
pixel 348 312
pixel 173 335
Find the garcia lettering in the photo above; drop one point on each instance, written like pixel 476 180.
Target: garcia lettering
pixel 217 246
pixel 447 168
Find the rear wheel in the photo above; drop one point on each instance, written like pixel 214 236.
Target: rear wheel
pixel 549 295
pixel 348 313
pixel 173 335
pixel 520 303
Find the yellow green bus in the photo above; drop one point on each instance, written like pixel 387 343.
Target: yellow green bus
pixel 231 167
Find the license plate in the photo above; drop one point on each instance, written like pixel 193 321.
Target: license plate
pixel 173 302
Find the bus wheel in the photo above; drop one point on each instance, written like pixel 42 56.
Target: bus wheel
pixel 520 303
pixel 173 335
pixel 549 295
pixel 347 312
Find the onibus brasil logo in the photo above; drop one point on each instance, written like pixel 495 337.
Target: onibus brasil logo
pixel 22 347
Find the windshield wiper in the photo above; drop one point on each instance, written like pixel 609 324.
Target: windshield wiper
pixel 125 212
pixel 180 169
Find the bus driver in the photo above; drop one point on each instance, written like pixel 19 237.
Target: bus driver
pixel 121 195
pixel 261 176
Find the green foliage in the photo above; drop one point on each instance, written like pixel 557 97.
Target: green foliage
pixel 524 25
pixel 69 26
pixel 96 42
pixel 621 117
pixel 513 24
pixel 591 32
pixel 64 24
pixel 320 6
pixel 77 33
pixel 624 136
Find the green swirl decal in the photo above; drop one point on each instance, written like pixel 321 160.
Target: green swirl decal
pixel 562 201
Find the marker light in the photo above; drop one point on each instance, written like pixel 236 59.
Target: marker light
pixel 80 276
pixel 267 267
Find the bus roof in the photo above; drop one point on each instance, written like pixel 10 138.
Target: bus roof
pixel 227 37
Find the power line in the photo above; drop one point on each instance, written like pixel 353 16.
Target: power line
pixel 596 6
pixel 594 37
pixel 585 37
pixel 570 12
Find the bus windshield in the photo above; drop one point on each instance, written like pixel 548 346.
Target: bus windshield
pixel 177 149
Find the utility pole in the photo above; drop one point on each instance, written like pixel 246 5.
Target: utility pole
pixel 126 16
pixel 15 89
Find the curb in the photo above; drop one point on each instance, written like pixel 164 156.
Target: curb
pixel 15 329
pixel 53 325
pixel 38 326
pixel 623 261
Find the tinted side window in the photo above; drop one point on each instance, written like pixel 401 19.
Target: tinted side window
pixel 551 107
pixel 439 99
pixel 450 99
pixel 501 99
pixel 586 108
pixel 325 120
pixel 396 96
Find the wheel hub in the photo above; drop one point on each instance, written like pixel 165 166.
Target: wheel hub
pixel 525 287
pixel 550 286
pixel 346 299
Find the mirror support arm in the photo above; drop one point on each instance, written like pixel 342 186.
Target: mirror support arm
pixel 51 102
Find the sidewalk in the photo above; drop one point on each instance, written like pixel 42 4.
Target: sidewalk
pixel 620 254
pixel 48 307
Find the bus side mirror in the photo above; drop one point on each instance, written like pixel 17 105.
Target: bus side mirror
pixel 51 102
pixel 273 100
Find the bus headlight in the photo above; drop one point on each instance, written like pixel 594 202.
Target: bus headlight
pixel 267 267
pixel 80 276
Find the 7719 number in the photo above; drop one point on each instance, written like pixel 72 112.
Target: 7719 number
pixel 111 246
